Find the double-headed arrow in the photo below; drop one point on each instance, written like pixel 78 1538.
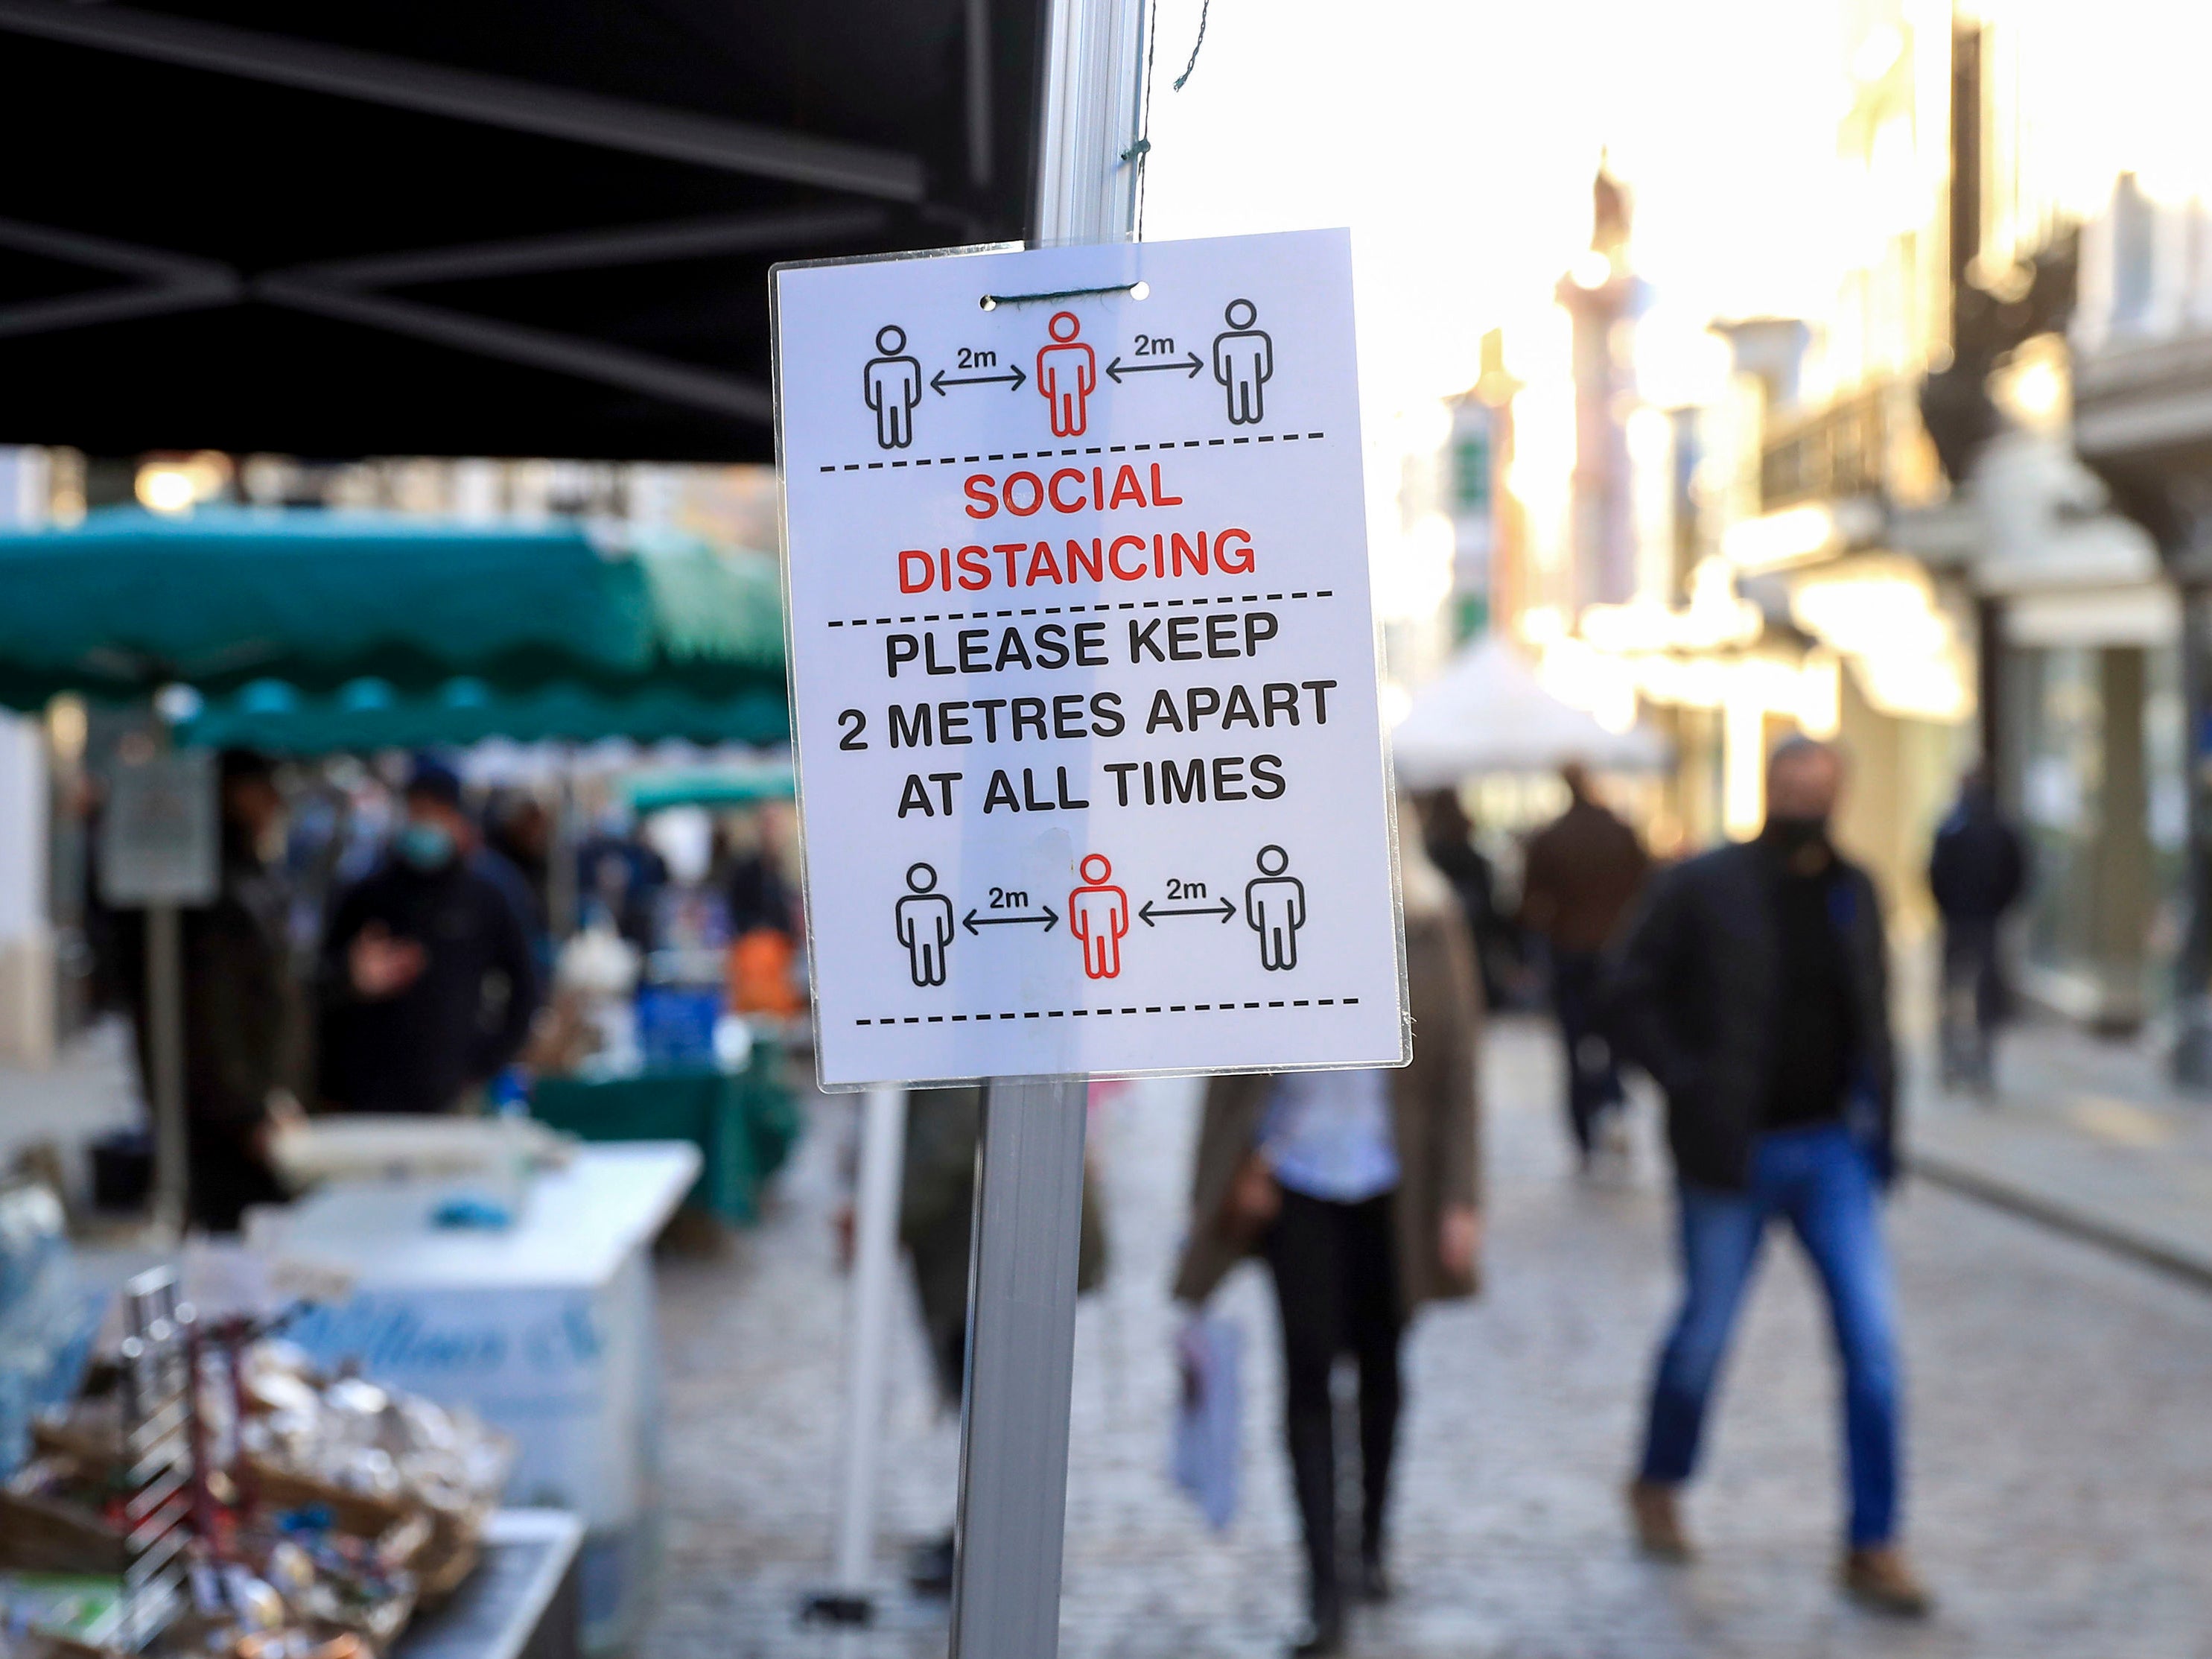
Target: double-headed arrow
pixel 1013 378
pixel 977 921
pixel 1189 363
pixel 1223 910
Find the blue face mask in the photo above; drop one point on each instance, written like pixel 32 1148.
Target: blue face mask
pixel 426 847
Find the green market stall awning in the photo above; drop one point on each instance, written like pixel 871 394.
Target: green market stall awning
pixel 712 786
pixel 129 601
pixel 367 715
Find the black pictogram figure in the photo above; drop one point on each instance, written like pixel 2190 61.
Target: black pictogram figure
pixel 1098 915
pixel 1066 375
pixel 1275 909
pixel 892 386
pixel 1243 362
pixel 924 925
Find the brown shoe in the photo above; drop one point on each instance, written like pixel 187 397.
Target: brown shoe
pixel 1658 1521
pixel 1879 1577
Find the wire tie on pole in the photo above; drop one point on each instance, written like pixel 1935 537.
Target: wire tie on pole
pixel 1202 10
pixel 1135 290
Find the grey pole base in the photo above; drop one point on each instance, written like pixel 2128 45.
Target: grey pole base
pixel 1021 1364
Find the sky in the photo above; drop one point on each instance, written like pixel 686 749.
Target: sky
pixel 1458 141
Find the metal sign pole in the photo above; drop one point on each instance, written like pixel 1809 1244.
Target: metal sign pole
pixel 1029 1197
pixel 165 1048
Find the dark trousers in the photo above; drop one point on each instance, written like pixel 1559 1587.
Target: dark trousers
pixel 1973 998
pixel 1336 1283
pixel 1593 1076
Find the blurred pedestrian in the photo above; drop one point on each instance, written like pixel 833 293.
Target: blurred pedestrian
pixel 1752 985
pixel 428 980
pixel 1581 872
pixel 619 880
pixel 1976 872
pixel 244 1026
pixel 519 829
pixel 1449 839
pixel 766 921
pixel 1361 1190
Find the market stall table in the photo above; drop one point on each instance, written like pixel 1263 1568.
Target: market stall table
pixel 521 1602
pixel 743 1122
pixel 546 1328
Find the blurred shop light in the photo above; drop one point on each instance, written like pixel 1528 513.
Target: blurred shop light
pixel 2032 387
pixel 67 723
pixel 1743 765
pixel 1872 607
pixel 1933 688
pixel 177 483
pixel 1602 685
pixel 1541 625
pixel 1717 618
pixel 1795 534
pixel 1821 695
pixel 1591 268
pixel 1883 614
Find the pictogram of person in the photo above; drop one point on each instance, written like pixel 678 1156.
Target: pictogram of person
pixel 1243 362
pixel 1098 915
pixel 892 385
pixel 924 925
pixel 1275 909
pixel 1066 374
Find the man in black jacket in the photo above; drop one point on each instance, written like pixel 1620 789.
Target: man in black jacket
pixel 428 979
pixel 1753 986
pixel 1976 872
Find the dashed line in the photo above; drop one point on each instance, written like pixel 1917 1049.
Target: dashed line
pixel 1197 603
pixel 1053 454
pixel 1082 1013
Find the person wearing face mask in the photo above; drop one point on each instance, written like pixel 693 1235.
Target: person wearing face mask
pixel 242 1019
pixel 428 980
pixel 1753 986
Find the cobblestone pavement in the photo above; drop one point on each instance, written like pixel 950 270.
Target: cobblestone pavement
pixel 2062 1450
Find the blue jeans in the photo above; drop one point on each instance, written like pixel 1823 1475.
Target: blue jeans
pixel 1821 1181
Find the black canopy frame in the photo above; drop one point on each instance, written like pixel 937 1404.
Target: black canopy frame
pixel 485 228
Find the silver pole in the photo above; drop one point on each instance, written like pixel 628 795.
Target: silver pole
pixel 875 1257
pixel 1021 1368
pixel 1029 1193
pixel 165 1046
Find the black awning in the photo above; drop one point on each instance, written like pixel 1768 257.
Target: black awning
pixel 476 227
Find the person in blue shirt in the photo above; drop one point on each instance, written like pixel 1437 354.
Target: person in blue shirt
pixel 1361 1190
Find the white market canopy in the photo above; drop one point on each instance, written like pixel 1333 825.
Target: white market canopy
pixel 1489 713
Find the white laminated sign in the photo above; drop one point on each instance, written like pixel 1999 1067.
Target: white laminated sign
pixel 1091 774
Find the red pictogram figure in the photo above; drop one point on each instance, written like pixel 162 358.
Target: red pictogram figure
pixel 1098 915
pixel 1066 374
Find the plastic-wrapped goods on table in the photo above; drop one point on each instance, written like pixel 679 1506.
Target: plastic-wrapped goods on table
pixel 47 1322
